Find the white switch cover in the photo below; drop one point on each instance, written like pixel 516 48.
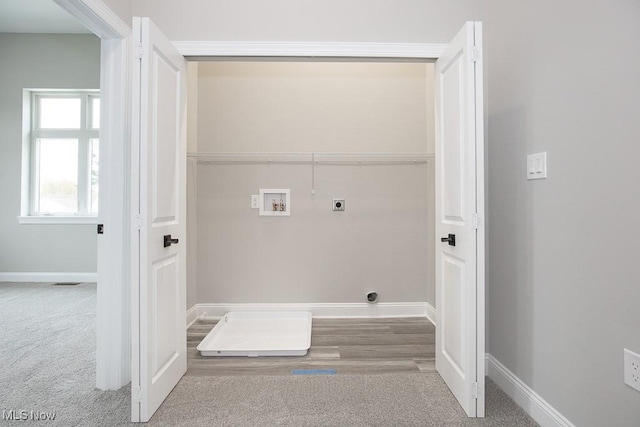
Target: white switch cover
pixel 255 201
pixel 537 166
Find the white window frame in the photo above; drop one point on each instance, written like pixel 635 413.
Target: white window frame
pixel 29 213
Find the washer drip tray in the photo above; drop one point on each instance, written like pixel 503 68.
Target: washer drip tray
pixel 255 334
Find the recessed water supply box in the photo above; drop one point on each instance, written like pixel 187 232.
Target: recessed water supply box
pixel 275 202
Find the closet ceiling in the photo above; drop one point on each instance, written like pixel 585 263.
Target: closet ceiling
pixel 37 16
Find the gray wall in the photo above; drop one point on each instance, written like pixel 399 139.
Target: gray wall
pixel 40 61
pixel 432 21
pixel 381 242
pixel 564 274
pixel 122 8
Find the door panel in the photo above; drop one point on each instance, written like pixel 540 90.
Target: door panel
pixel 453 299
pixel 454 150
pixel 165 315
pixel 165 152
pixel 159 206
pixel 459 209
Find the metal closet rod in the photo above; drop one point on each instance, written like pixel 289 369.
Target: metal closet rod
pixel 313 158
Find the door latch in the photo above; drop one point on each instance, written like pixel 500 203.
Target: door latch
pixel 451 239
pixel 168 241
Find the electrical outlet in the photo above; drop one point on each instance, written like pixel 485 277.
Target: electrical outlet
pixel 338 204
pixel 632 369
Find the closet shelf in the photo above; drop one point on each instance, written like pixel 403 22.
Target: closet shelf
pixel 313 158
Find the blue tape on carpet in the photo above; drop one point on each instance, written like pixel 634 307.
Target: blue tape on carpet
pixel 313 371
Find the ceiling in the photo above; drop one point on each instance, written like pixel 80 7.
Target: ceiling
pixel 37 16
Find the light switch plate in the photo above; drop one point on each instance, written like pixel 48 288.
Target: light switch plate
pixel 255 201
pixel 537 166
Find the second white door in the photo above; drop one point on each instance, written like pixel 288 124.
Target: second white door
pixel 459 214
pixel 159 342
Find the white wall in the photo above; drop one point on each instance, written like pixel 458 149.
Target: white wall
pixel 564 273
pixel 408 21
pixel 381 242
pixel 40 61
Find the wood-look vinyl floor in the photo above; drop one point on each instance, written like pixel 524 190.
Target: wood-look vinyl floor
pixel 350 346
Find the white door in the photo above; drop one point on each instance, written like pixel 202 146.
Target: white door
pixel 459 213
pixel 159 208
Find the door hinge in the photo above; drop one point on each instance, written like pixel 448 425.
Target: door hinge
pixel 474 390
pixel 475 54
pixel 136 394
pixel 139 51
pixel 474 221
pixel 137 222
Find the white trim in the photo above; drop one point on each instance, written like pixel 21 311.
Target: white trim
pixel 97 17
pixel 431 313
pixel 136 221
pixel 319 310
pixel 309 49
pixel 192 315
pixel 34 135
pixel 480 210
pixel 54 219
pixel 532 403
pixel 48 277
pixel 113 352
pixel 113 333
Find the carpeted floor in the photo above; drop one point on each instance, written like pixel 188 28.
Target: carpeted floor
pixel 48 355
pixel 47 359
pixel 328 400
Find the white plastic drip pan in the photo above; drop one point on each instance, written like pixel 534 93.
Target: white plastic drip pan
pixel 256 334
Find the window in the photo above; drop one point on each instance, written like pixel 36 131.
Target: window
pixel 61 149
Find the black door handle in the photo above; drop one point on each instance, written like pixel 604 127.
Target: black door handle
pixel 168 241
pixel 451 239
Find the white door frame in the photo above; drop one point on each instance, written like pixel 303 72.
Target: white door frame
pixel 240 50
pixel 113 332
pixel 113 353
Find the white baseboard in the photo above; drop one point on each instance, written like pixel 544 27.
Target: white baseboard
pixel 192 315
pixel 48 277
pixel 431 313
pixel 534 405
pixel 319 310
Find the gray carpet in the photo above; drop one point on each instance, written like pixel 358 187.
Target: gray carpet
pixel 47 354
pixel 328 400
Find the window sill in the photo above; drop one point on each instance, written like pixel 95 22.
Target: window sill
pixel 53 219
